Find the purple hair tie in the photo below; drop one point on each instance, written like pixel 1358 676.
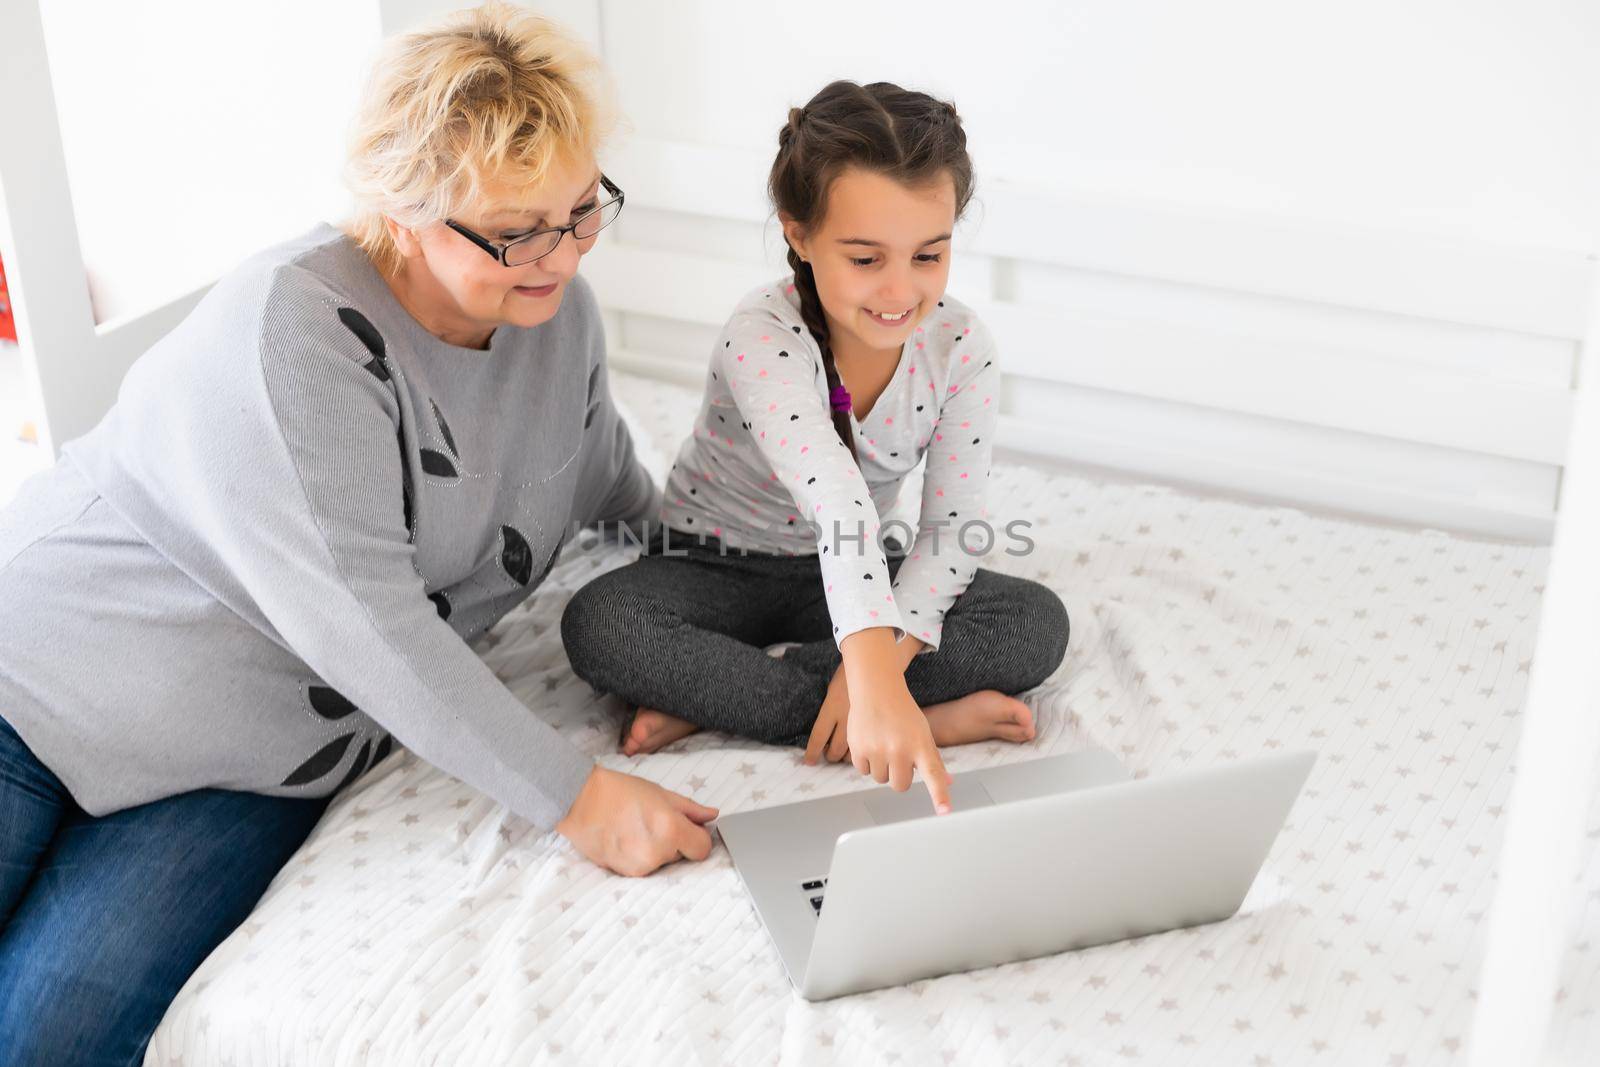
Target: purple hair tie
pixel 840 398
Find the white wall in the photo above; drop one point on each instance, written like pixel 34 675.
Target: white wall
pixel 1473 118
pixel 1257 247
pixel 196 132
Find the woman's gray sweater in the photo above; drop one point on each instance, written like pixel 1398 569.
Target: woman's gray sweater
pixel 270 554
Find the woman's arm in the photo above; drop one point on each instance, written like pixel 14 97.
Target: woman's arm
pixel 315 532
pixel 291 481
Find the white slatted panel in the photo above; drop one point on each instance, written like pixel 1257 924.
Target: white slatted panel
pixel 1403 377
pixel 75 366
pixel 1535 291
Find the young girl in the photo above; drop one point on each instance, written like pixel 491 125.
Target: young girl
pixel 825 390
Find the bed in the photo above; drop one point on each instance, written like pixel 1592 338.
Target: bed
pixel 423 924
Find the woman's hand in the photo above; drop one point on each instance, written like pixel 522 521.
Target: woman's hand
pixel 633 826
pixel 887 733
pixel 828 736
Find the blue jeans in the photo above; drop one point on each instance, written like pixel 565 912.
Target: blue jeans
pixel 102 920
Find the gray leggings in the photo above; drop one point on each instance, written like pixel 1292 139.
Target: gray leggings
pixel 685 634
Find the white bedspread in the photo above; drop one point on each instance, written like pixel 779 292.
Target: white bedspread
pixel 422 924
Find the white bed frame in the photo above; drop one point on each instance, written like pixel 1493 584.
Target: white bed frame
pixel 73 364
pixel 1406 378
pixel 1398 376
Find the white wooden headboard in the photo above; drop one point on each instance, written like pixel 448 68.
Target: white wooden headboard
pixel 1399 376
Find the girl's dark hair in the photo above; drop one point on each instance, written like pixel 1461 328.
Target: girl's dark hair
pixel 908 136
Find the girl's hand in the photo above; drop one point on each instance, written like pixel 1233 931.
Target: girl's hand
pixel 831 720
pixel 889 738
pixel 887 733
pixel 633 826
pixel 828 736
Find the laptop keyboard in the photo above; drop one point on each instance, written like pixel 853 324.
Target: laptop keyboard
pixel 813 888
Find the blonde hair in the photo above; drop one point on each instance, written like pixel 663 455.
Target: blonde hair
pixel 492 93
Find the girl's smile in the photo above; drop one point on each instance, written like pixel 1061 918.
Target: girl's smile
pixel 891 319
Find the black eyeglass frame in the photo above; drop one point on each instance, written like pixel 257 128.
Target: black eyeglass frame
pixel 499 250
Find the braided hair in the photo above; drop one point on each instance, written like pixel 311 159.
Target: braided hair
pixel 908 136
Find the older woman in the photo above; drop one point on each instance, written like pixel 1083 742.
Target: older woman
pixel 227 601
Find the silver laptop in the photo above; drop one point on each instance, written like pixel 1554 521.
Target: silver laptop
pixel 870 889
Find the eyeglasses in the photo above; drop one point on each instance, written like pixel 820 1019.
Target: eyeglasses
pixel 540 243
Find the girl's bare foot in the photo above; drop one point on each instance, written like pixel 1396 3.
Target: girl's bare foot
pixel 651 730
pixel 987 715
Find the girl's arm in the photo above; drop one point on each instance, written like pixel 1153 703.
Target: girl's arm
pixel 830 732
pixel 888 734
pixel 937 568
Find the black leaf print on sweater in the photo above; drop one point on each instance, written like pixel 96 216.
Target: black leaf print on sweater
pixel 594 389
pixel 367 333
pixel 362 327
pixel 444 430
pixel 406 512
pixel 326 759
pixel 329 703
pixel 516 557
pixel 437 464
pixel 357 765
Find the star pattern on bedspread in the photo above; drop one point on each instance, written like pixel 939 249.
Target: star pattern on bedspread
pixel 424 924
